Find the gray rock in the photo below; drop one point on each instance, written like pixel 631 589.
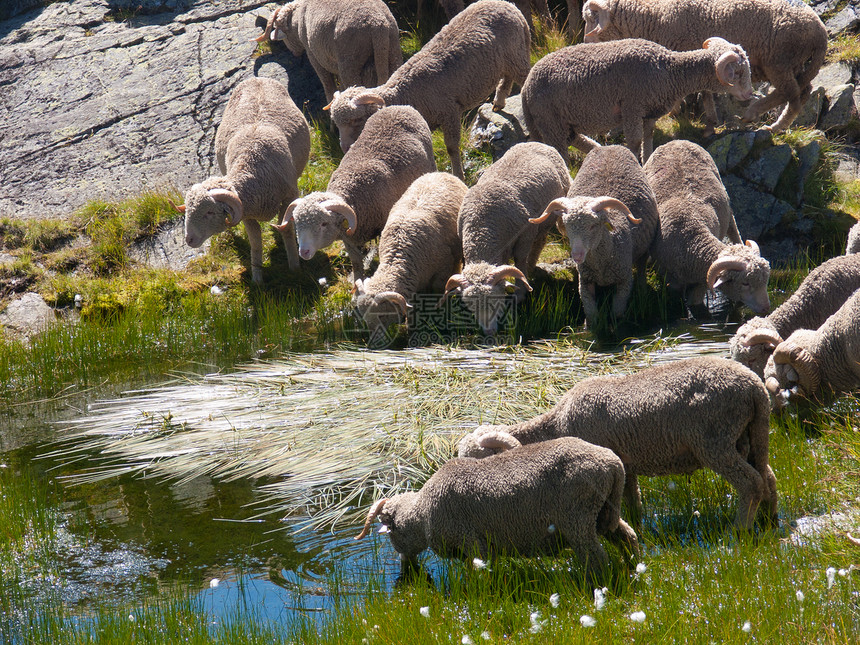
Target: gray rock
pixel 27 315
pixel 822 8
pixel 11 8
pixel 812 109
pixel 807 159
pixel 756 212
pixel 848 166
pixel 167 249
pixel 832 75
pixel 731 149
pixel 846 20
pixel 106 110
pixel 500 130
pixel 841 109
pixel 768 168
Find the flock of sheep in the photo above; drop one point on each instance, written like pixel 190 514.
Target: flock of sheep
pixel 557 479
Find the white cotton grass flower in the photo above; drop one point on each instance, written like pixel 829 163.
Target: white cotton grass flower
pixel 587 621
pixel 551 528
pixel 800 596
pixel 214 583
pixel 537 623
pixel 467 640
pixel 479 564
pixel 486 635
pixel 555 599
pixel 425 611
pixel 747 627
pixel 831 576
pixel 638 616
pixel 131 617
pixel 600 598
pixel 322 282
pixel 843 573
pixel 696 514
pixel 216 290
pixel 640 568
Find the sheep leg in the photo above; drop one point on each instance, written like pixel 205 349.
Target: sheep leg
pixel 356 258
pixel 581 142
pixel 634 135
pixel 451 133
pixel 503 91
pixel 574 19
pixel 325 76
pixel 622 296
pixel 711 118
pixel 291 247
pixel 633 498
pixel 255 241
pixel 589 301
pixel 591 554
pixel 745 479
pixel 625 539
pixel 647 138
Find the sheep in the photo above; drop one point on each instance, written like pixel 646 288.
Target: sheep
pixel 853 244
pixel 393 150
pixel 528 501
pixel 453 7
pixel 816 364
pixel 786 41
pixel 695 216
pixel 419 249
pixel 676 418
pixel 359 41
pixel 820 295
pixel 262 147
pixel 592 88
pixel 608 194
pixel 484 46
pixel 495 224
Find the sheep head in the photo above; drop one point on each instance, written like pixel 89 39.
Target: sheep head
pixel 595 15
pixel 485 441
pixel 379 310
pixel 351 109
pixel 400 520
pixel 732 67
pixel 742 275
pixel 482 287
pixel 792 371
pixel 753 344
pixel 282 25
pixel 320 219
pixel 209 211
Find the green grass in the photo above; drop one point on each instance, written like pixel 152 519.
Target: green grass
pixel 844 48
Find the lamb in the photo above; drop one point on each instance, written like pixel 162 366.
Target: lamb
pixel 819 296
pixel 817 364
pixel 532 500
pixel 786 41
pixel 676 418
pixel 568 94
pixel 695 216
pixel 494 225
pixel 359 41
pixel 394 149
pixel 484 46
pixel 608 194
pixel 262 147
pixel 853 244
pixel 418 250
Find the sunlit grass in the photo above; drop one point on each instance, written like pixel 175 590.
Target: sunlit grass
pixel 844 48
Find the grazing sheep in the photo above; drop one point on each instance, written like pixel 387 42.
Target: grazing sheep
pixel 820 295
pixel 527 501
pixel 495 225
pixel 853 244
pixel 608 194
pixel 786 41
pixel 676 418
pixel 484 47
pixel 358 41
pixel 393 151
pixel 812 364
pixel 419 249
pixel 261 146
pixel 695 216
pixel 592 88
pixel 453 7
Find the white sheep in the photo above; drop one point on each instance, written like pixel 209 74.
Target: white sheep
pixel 853 243
pixel 418 250
pixel 820 295
pixel 262 147
pixel 816 364
pixel 495 226
pixel 675 418
pixel 695 216
pixel 358 41
pixel 609 218
pixel 528 501
pixel 486 46
pixel 589 89
pixel 786 41
pixel 393 151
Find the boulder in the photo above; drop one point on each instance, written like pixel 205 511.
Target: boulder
pixel 846 20
pixel 499 131
pixel 841 109
pixel 27 315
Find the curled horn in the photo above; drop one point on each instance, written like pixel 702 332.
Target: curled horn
pixel 342 208
pixel 287 219
pixel 601 8
pixel 178 209
pixel 374 511
pixel 498 440
pixel 721 265
pixel 506 271
pixel 396 298
pixel 233 203
pixel 270 24
pixel 601 203
pixel 753 246
pixel 369 98
pixel 723 62
pixel 552 208
pixel 790 353
pixel 333 99
pixel 762 337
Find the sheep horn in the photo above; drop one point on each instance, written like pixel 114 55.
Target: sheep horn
pixel 270 23
pixel 762 337
pixel 369 98
pixel 233 203
pixel 287 219
pixel 374 511
pixel 791 353
pixel 499 439
pixel 396 298
pixel 601 203
pixel 342 208
pixel 178 209
pixel 601 8
pixel 720 266
pixel 506 271
pixel 753 246
pixel 555 206
pixel 722 66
